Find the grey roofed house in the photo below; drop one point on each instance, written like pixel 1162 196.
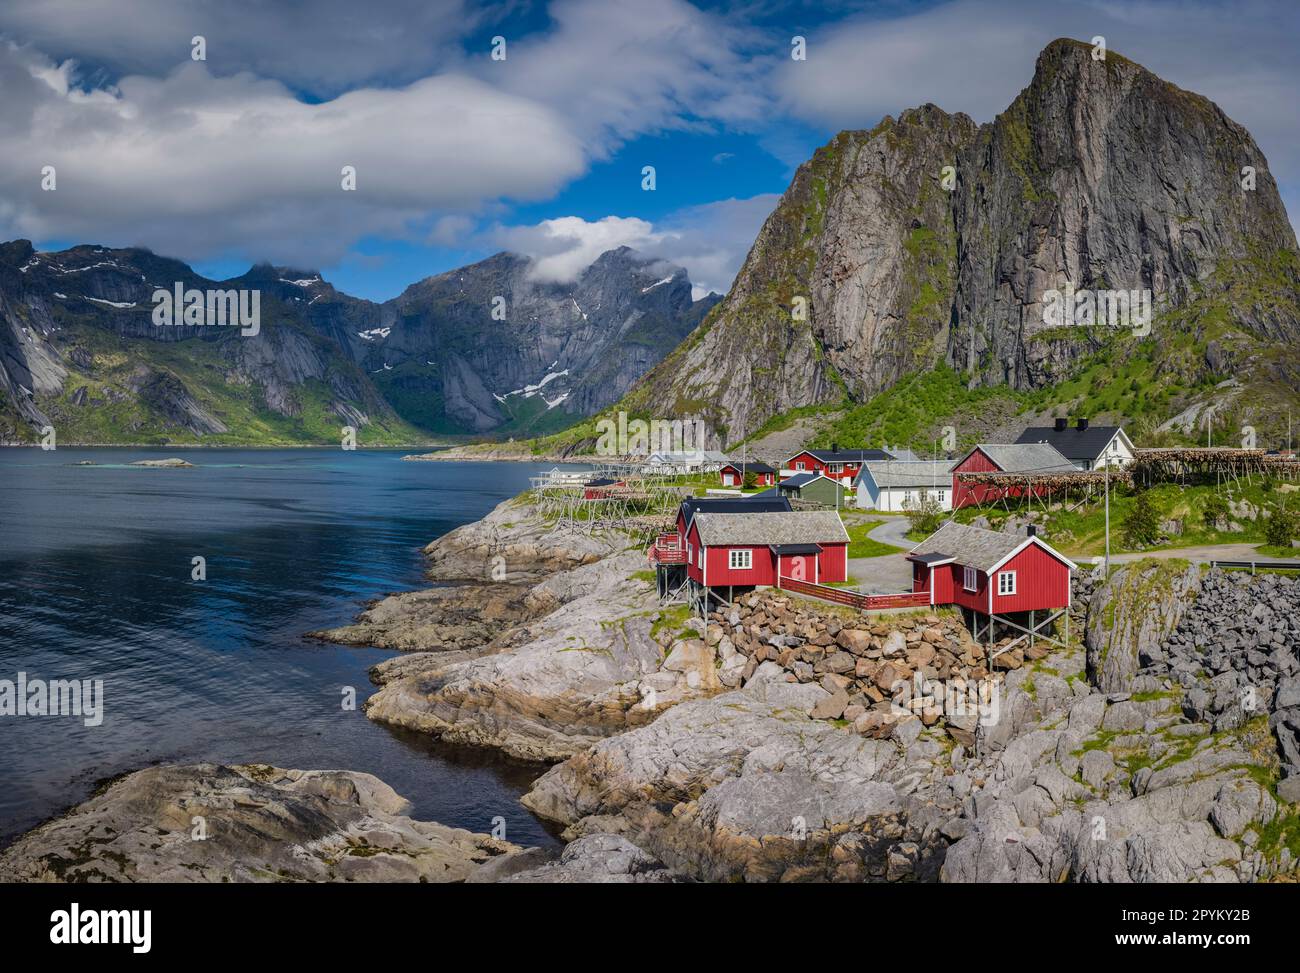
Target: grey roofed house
pixel 977 547
pixel 1080 443
pixel 889 473
pixel 801 527
pixel 1024 457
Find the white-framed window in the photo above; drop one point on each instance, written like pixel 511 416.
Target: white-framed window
pixel 942 496
pixel 801 465
pixel 690 552
pixel 740 560
pixel 969 578
pixel 835 468
pixel 699 558
pixel 1006 582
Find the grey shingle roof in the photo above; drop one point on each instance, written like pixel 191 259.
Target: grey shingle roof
pixel 975 546
pixel 802 527
pixel 910 473
pixel 1026 457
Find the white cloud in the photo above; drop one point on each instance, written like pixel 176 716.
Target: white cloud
pixel 195 165
pixel 710 241
pixel 563 248
pixel 619 68
pixel 324 46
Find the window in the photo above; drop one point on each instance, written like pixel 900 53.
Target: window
pixel 942 494
pixel 699 559
pixel 835 467
pixel 969 579
pixel 740 560
pixel 690 553
pixel 1006 582
pixel 801 465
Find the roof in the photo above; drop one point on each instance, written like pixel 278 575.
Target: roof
pixel 601 482
pixel 1071 441
pixel 755 504
pixel 802 527
pixel 977 547
pixel 751 467
pixel 932 559
pixel 845 455
pixel 797 481
pixel 786 550
pixel 909 473
pixel 1023 457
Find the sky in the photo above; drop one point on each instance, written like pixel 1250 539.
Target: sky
pixel 238 157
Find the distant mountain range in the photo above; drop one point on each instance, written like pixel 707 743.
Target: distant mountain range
pixel 79 350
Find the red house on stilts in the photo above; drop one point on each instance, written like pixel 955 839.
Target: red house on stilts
pixel 1016 581
pixel 743 550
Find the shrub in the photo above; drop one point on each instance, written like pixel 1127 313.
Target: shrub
pixel 1281 528
pixel 925 515
pixel 1141 526
pixel 1216 509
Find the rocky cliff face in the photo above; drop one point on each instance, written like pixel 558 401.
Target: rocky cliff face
pixel 447 364
pixel 79 350
pixel 1099 175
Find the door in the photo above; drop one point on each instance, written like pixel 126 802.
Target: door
pixel 728 479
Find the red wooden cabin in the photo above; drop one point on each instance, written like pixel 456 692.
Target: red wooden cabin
pixel 743 550
pixel 733 474
pixel 1027 458
pixel 1016 580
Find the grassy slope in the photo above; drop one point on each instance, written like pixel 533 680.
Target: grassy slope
pixel 199 365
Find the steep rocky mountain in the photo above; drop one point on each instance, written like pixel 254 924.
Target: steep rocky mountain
pixel 79 350
pixel 554 351
pixel 1100 175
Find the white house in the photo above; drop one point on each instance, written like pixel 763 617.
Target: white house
pixel 897 485
pixel 1088 447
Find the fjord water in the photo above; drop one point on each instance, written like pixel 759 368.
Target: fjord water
pixel 95 566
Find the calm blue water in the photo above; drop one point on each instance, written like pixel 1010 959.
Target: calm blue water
pixel 95 566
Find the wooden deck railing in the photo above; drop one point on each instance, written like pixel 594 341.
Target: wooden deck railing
pixel 856 599
pixel 667 549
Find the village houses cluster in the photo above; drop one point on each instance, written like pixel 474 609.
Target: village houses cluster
pixel 786 531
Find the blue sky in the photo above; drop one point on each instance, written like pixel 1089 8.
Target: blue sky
pixel 237 158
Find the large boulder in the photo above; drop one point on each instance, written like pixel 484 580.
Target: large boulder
pixel 1131 614
pixel 255 823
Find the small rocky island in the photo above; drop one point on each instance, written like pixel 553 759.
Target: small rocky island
pixel 172 463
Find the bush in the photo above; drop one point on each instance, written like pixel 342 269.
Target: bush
pixel 1141 526
pixel 1216 509
pixel 1281 528
pixel 751 480
pixel 924 516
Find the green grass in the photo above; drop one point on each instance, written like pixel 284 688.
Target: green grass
pixel 860 545
pixel 1082 531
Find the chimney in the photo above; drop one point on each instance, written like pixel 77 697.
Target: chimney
pixel 1083 423
pixel 1061 423
pixel 835 447
pixel 1030 530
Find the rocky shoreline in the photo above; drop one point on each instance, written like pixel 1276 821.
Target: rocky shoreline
pixel 771 742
